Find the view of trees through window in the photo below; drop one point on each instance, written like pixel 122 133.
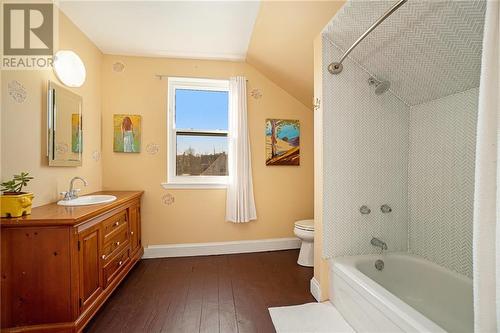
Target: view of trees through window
pixel 201 132
pixel 204 156
pixel 190 164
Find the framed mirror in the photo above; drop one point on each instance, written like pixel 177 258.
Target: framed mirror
pixel 64 130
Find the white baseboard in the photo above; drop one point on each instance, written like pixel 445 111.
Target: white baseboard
pixel 316 289
pixel 204 249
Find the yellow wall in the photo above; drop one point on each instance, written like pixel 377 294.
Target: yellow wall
pixel 283 193
pixel 282 42
pixel 320 265
pixel 24 125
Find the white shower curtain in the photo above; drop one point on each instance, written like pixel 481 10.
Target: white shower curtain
pixel 486 242
pixel 240 204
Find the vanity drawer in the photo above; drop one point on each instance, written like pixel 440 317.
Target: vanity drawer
pixel 115 265
pixel 115 242
pixel 113 223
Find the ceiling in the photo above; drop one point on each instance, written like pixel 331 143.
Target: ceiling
pixel 276 37
pixel 179 29
pixel 282 42
pixel 426 49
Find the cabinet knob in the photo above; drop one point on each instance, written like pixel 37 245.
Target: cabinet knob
pixel 103 256
pixel 117 243
pixel 117 223
pixel 131 232
pixel 120 263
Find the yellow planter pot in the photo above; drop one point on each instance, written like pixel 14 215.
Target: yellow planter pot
pixel 16 205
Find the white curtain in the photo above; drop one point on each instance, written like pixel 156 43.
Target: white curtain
pixel 240 203
pixel 486 241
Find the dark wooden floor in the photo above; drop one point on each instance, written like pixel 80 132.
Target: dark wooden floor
pixel 227 293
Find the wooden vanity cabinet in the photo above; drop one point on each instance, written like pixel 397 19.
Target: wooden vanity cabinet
pixel 60 264
pixel 135 227
pixel 89 266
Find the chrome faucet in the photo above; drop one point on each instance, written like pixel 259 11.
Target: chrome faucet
pixel 73 192
pixel 377 242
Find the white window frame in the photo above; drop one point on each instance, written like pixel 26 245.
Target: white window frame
pixel 174 181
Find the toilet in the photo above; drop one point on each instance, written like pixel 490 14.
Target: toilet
pixel 304 230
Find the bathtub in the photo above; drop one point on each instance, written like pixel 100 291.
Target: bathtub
pixel 410 294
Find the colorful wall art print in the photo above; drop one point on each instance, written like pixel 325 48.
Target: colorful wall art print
pixel 282 142
pixel 127 133
pixel 76 133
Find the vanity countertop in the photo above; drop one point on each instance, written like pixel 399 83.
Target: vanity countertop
pixel 54 214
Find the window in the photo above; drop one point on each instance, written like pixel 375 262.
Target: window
pixel 197 132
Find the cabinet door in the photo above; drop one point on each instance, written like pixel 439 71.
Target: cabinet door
pixel 135 227
pixel 90 272
pixel 35 278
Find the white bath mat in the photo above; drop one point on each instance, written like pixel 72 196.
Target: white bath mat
pixel 309 318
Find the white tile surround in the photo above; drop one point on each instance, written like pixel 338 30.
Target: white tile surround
pixel 365 140
pixel 412 147
pixel 428 49
pixel 441 180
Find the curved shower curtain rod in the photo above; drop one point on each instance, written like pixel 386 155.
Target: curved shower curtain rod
pixel 336 67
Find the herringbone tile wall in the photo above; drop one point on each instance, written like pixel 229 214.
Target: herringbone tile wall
pixel 365 162
pixel 412 147
pixel 441 180
pixel 427 49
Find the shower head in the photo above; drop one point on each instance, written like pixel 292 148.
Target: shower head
pixel 380 85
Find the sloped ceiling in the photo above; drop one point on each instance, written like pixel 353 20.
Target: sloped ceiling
pixel 426 49
pixel 276 37
pixel 175 29
pixel 282 42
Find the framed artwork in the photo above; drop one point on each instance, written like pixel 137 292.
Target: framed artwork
pixel 76 133
pixel 126 133
pixel 282 142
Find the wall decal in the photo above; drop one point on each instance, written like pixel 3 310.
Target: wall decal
pixel 96 155
pixel 127 133
pixel 17 91
pixel 152 148
pixel 168 199
pixel 118 67
pixel 256 93
pixel 282 142
pixel 62 148
pixel 316 104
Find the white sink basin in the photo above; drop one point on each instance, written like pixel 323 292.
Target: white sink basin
pixel 88 200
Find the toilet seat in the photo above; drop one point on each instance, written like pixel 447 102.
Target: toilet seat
pixel 307 225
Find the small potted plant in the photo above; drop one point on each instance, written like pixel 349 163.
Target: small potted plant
pixel 14 202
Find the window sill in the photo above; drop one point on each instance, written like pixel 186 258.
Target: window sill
pixel 193 186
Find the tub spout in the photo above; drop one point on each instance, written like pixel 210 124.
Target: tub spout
pixel 377 242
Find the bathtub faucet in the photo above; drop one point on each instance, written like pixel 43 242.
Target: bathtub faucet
pixel 377 242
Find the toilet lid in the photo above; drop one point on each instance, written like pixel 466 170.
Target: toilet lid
pixel 305 225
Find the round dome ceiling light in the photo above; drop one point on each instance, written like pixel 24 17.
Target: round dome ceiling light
pixel 69 68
